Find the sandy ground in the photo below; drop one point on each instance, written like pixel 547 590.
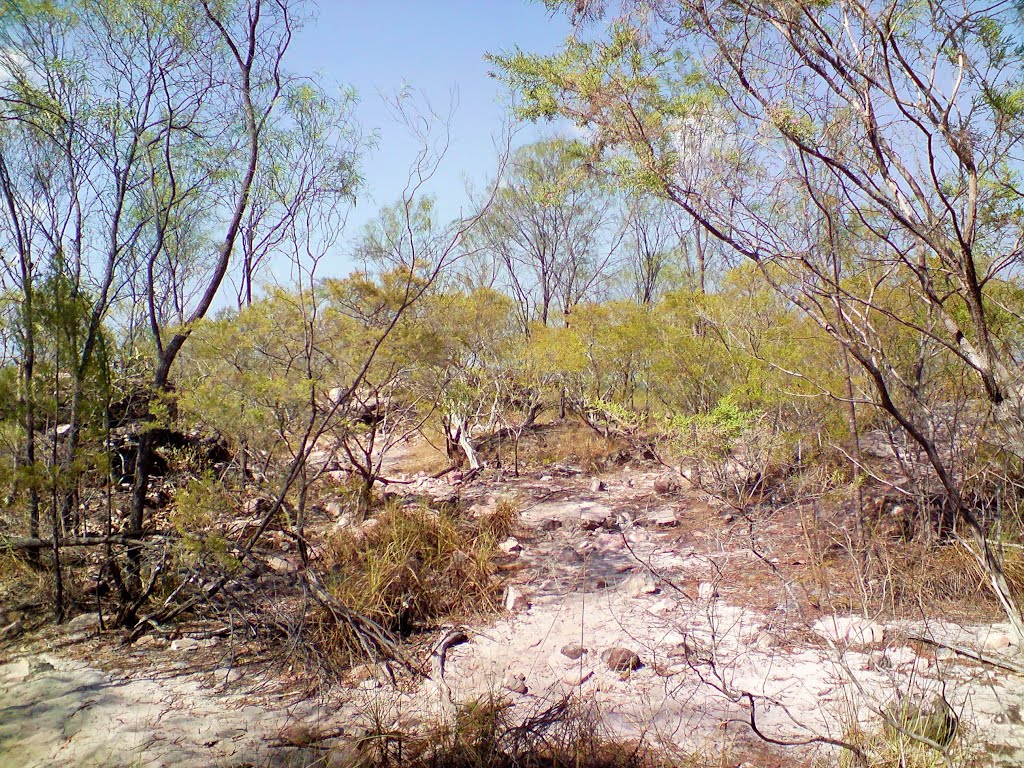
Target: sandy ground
pixel 603 569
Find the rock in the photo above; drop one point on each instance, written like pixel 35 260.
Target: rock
pixel 228 675
pixel 576 677
pixel 597 485
pixel 551 524
pixel 640 584
pixel 456 478
pixel 83 622
pixel 849 630
pixel 592 520
pixel 661 669
pixel 185 644
pixel 621 660
pixel 994 641
pixel 610 523
pixel 11 631
pixel 299 734
pixel 515 600
pixel 510 546
pixel 256 507
pixel 568 556
pixel 279 564
pixel 662 518
pixel 666 484
pixel 573 651
pixel 516 683
pixel 546 478
pixel 766 641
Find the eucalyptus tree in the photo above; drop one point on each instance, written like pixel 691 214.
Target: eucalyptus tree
pixel 553 230
pixel 866 157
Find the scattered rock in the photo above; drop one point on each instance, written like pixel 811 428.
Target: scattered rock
pixel 592 520
pixel 546 478
pixel 510 546
pixel 597 485
pixel 515 600
pixel 551 524
pixel 573 651
pixel 621 660
pixel 516 683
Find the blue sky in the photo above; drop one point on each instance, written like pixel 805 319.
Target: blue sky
pixel 435 47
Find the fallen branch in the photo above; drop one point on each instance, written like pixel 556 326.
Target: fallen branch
pixel 32 544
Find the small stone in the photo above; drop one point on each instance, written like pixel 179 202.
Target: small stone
pixel 278 564
pixel 510 546
pixel 591 521
pixel 597 485
pixel 573 651
pixel 766 641
pixel 516 683
pixel 576 677
pixel 515 600
pixel 994 641
pixel 299 735
pixel 662 669
pixel 85 621
pixel 185 644
pixel 551 524
pixel 707 591
pixel 610 523
pixel 640 584
pixel 850 630
pixel 621 660
pixel 568 556
pixel 546 478
pixel 666 484
pixel 12 630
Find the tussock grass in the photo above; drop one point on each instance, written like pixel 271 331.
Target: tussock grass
pixel 485 734
pixel 411 567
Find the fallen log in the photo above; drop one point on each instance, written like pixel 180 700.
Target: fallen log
pixel 21 544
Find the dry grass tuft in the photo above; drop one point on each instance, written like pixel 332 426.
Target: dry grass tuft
pixel 413 567
pixel 486 734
